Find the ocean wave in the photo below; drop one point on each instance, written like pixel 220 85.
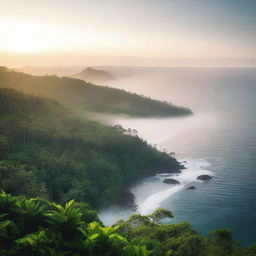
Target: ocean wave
pixel 151 201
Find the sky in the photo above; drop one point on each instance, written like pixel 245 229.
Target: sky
pixel 74 32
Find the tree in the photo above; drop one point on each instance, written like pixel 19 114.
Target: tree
pixel 160 214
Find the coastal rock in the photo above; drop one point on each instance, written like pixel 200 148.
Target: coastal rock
pixel 204 177
pixel 182 167
pixel 191 187
pixel 171 181
pixel 128 198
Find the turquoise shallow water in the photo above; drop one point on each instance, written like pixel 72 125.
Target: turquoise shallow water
pixel 221 133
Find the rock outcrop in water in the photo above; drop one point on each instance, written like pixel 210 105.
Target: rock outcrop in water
pixel 171 181
pixel 204 177
pixel 191 187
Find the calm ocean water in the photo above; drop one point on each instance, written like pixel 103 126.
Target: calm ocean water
pixel 220 138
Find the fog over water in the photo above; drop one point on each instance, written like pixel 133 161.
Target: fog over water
pixel 220 139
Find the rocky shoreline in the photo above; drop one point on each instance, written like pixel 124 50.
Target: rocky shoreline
pixel 128 198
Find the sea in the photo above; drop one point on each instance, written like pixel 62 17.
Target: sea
pixel 219 139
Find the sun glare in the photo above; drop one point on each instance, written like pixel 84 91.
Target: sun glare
pixel 24 44
pixel 21 37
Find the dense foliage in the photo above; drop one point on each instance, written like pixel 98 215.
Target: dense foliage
pixel 38 227
pixel 178 239
pixel 88 97
pixel 46 151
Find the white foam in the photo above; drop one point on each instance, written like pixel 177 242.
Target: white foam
pixel 150 202
pixel 153 202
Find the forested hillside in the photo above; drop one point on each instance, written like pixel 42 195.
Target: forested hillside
pixel 83 96
pixel 47 151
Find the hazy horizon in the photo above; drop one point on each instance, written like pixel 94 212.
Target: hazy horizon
pixel 20 61
pixel 133 33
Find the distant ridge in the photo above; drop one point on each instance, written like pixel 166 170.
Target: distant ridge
pixel 83 96
pixel 94 75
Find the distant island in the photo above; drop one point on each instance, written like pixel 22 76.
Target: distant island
pixel 83 96
pixel 94 76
